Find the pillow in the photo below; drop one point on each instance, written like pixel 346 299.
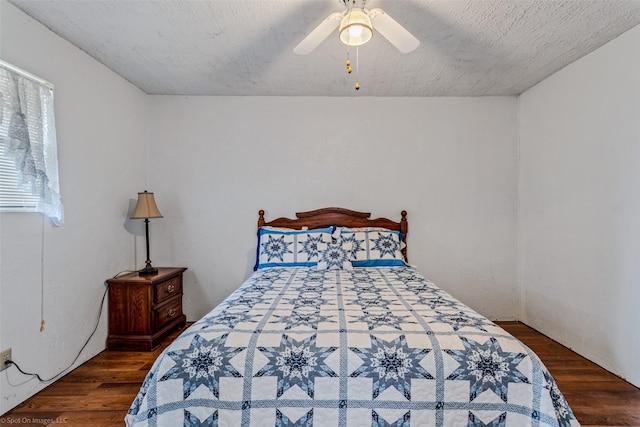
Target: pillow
pixel 270 228
pixel 339 230
pixel 374 247
pixel 289 247
pixel 336 256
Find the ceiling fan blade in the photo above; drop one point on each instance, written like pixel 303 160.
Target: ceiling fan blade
pixel 317 36
pixel 392 31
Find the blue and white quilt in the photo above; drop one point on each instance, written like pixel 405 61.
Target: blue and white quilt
pixel 374 346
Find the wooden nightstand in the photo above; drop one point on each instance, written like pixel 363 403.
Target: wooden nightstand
pixel 144 308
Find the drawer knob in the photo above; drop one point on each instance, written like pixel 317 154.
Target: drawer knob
pixel 171 312
pixel 171 288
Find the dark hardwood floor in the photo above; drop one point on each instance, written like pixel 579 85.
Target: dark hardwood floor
pixel 597 397
pixel 99 392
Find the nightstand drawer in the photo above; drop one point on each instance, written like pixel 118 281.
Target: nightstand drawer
pixel 166 290
pixel 167 313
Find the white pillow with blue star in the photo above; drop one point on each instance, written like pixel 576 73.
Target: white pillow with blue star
pixel 336 256
pixel 374 248
pixel 290 248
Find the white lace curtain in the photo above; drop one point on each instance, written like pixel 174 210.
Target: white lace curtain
pixel 26 107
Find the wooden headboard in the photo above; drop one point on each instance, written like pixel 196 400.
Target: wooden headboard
pixel 340 217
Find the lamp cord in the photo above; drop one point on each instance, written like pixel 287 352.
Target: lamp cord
pixel 95 328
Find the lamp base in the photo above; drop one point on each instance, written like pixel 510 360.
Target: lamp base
pixel 148 269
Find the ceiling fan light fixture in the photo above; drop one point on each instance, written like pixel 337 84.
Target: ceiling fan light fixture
pixel 356 28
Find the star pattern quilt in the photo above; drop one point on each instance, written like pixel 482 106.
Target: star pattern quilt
pixel 371 346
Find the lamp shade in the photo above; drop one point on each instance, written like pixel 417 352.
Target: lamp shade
pixel 146 207
pixel 356 28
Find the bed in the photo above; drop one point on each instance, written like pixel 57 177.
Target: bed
pixel 335 328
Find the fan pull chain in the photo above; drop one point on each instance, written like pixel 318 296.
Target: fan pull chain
pixel 357 68
pixel 350 69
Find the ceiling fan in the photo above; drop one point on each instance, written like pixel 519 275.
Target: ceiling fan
pixel 356 28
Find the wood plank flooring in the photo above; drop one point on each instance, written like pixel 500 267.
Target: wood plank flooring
pixel 597 397
pixel 99 392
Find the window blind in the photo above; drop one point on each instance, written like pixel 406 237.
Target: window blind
pixel 12 198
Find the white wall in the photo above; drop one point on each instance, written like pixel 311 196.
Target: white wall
pixel 102 124
pixel 450 162
pixel 579 221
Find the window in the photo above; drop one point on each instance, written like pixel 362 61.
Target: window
pixel 28 146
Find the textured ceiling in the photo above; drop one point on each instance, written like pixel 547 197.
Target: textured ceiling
pixel 230 47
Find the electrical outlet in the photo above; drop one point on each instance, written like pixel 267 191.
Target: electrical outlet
pixel 4 356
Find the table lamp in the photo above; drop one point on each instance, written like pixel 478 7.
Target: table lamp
pixel 146 208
